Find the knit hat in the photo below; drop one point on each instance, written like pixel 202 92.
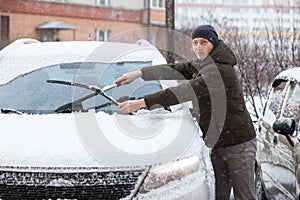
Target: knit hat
pixel 208 32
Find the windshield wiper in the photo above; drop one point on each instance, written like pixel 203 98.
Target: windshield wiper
pixel 8 111
pixel 121 99
pixel 77 104
pixel 74 105
pixel 96 89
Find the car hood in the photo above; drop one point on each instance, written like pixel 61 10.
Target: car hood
pixel 94 139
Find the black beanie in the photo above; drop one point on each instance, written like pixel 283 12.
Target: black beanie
pixel 208 32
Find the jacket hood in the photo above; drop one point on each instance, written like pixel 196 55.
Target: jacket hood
pixel 223 54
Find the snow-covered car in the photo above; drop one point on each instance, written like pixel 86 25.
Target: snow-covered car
pixel 278 136
pixel 62 136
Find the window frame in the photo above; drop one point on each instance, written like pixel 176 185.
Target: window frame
pixel 157 4
pixel 105 32
pixel 103 3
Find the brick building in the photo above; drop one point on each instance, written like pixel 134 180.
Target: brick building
pixel 77 20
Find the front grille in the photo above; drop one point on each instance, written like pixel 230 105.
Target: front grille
pixel 83 185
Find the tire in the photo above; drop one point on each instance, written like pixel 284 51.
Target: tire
pixel 259 189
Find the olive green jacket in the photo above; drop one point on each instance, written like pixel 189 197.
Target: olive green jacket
pixel 214 89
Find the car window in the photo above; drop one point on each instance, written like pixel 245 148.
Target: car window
pixel 276 98
pixel 292 109
pixel 31 93
pixel 296 93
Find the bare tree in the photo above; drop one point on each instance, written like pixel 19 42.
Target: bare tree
pixel 284 42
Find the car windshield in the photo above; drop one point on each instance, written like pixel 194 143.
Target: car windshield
pixel 31 93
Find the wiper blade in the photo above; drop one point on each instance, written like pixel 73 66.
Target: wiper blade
pixel 121 99
pixel 88 87
pixel 8 111
pixel 68 107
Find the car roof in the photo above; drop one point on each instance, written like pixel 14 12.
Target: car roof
pixel 26 55
pixel 292 74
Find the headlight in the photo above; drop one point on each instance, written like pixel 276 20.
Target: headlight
pixel 160 175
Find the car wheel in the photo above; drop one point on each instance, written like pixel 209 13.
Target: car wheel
pixel 259 189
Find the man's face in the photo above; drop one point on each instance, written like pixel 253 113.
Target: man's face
pixel 202 47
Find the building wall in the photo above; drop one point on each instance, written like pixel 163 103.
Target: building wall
pixel 158 17
pixel 85 28
pixel 121 16
pixel 125 4
pixel 25 16
pixel 157 14
pixel 129 4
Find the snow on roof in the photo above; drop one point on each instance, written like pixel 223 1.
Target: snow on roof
pixel 19 59
pixel 292 74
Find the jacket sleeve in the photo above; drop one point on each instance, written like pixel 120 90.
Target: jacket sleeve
pixel 177 71
pixel 207 83
pixel 186 91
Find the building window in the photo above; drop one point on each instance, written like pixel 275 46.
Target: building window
pixel 145 3
pixel 47 36
pixel 234 10
pixel 105 3
pixel 4 31
pixel 155 3
pixel 101 35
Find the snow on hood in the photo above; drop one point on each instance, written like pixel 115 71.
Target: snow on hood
pixel 58 140
pixel 16 60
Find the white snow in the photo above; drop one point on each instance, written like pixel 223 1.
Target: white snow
pixel 41 141
pixel 54 140
pixel 290 74
pixel 17 60
pixel 150 133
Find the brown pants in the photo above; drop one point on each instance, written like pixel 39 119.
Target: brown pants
pixel 234 166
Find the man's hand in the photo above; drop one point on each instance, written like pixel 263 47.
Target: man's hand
pixel 131 106
pixel 128 77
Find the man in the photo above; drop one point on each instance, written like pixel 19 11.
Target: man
pixel 219 100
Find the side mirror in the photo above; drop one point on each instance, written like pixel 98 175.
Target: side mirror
pixel 285 126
